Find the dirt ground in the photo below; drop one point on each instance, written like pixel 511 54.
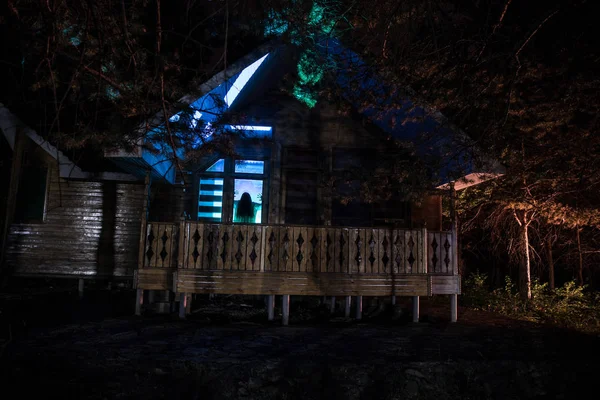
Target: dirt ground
pixel 56 345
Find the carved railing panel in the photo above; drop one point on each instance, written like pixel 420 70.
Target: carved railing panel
pixel 440 252
pixel 161 245
pixel 308 249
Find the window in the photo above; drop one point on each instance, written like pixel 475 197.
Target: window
pixel 233 191
pixel 31 196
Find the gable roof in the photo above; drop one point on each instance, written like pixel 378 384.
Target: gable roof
pixel 10 124
pixel 227 90
pixel 250 76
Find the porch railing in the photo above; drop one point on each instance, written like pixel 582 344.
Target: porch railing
pixel 292 248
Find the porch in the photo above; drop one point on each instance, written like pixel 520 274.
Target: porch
pixel 252 259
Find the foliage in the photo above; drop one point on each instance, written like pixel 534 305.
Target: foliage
pixel 570 306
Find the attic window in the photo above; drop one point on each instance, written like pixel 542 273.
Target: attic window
pixel 242 80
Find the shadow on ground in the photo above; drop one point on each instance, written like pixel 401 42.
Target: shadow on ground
pixel 94 349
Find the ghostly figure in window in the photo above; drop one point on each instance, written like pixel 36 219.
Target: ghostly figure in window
pixel 245 210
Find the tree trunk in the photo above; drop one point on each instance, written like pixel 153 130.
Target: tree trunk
pixel 580 266
pixel 526 265
pixel 550 264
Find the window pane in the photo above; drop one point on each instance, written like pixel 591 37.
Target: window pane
pixel 210 199
pixel 247 201
pixel 250 166
pixel 219 166
pixel 31 196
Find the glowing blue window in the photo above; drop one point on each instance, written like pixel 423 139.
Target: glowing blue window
pixel 247 201
pixel 210 199
pixel 241 81
pixel 250 167
pixel 218 166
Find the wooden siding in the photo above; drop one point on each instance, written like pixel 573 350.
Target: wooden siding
pixel 90 228
pixel 335 284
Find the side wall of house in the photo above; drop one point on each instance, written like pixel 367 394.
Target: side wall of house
pixel 88 229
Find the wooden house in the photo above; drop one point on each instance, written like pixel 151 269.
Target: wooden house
pixel 182 231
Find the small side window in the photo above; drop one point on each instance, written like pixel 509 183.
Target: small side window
pixel 31 196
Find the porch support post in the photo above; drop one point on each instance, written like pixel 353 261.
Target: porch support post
pixel 271 307
pixel 453 307
pixel 415 308
pixel 359 305
pixel 285 309
pixel 188 303
pixel 182 305
pixel 80 287
pixel 393 300
pixel 332 305
pixel 348 304
pixel 139 300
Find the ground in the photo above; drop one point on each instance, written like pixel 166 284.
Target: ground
pixel 94 349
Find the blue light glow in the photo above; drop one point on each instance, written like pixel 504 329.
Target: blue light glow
pixel 251 128
pixel 241 81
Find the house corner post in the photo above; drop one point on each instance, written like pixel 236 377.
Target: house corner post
pixel 144 222
pixel 182 239
pixel 455 270
pixel 11 198
pixel 454 230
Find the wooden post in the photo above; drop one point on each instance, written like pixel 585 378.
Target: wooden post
pixel 332 305
pixel 453 307
pixel 271 307
pixel 182 243
pixel 188 303
pixel 415 308
pixel 347 306
pixel 144 222
pixel 359 305
pixel 454 229
pixel 393 300
pixel 139 300
pixel 182 305
pixel 80 287
pixel 285 309
pixel 425 252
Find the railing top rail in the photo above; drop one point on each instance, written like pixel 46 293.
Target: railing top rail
pixel 296 226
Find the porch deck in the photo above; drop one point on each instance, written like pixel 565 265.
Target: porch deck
pixel 192 257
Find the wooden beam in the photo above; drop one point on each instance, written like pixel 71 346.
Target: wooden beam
pixel 293 283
